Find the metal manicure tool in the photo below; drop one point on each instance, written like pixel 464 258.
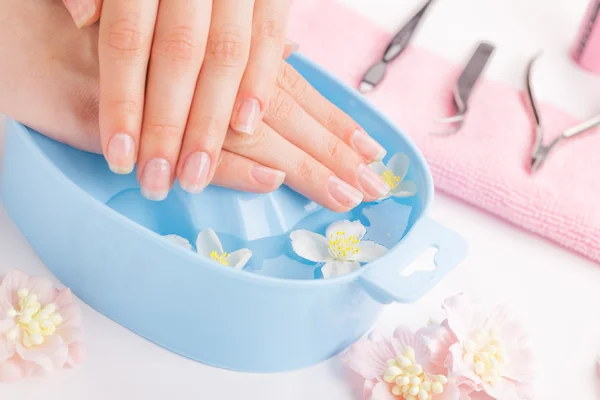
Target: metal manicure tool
pixel 398 44
pixel 540 150
pixel 465 85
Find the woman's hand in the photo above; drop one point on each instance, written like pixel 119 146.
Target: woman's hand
pixel 54 70
pixel 174 74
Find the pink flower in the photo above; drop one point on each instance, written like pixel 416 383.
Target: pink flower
pixel 490 355
pixel 39 327
pixel 401 367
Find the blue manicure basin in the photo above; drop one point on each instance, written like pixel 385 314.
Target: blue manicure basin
pixel 100 237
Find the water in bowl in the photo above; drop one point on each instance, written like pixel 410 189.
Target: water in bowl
pixel 180 214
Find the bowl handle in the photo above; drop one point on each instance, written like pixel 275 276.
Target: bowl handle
pixel 383 280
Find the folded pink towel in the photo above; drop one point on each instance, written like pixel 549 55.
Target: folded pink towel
pixel 486 163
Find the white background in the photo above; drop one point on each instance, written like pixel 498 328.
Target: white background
pixel 557 293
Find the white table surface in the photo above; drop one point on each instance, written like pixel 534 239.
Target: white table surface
pixel 556 292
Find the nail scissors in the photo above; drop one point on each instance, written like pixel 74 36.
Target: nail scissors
pixel 398 44
pixel 540 150
pixel 465 85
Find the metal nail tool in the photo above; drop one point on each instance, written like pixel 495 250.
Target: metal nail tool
pixel 540 150
pixel 465 85
pixel 398 44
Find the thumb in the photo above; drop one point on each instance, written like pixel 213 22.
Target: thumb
pixel 84 12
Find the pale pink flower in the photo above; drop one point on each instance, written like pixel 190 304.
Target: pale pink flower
pixel 491 354
pixel 401 367
pixel 39 327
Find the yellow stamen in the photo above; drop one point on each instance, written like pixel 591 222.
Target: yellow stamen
pixel 391 179
pixel 220 258
pixel 33 322
pixel 342 246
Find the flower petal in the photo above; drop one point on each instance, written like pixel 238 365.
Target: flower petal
pixel 464 316
pixel 354 228
pixel 339 268
pixel 179 241
pixel 405 189
pixel 382 391
pixel 368 251
pixel 434 349
pixel 15 369
pixel 51 355
pixel 310 245
pixel 378 167
pixel 207 242
pixel 398 164
pixel 12 282
pixel 369 358
pixel 505 390
pixel 43 288
pixel 239 258
pixel 404 337
pixel 77 353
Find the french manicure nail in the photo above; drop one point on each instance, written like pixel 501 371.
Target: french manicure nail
pixel 371 182
pixel 195 172
pixel 120 154
pixel 294 46
pixel 156 179
pixel 81 11
pixel 343 192
pixel 267 176
pixel 367 147
pixel 247 117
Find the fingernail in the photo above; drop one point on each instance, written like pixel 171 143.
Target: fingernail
pixel 344 193
pixel 267 176
pixel 371 182
pixel 195 172
pixel 156 179
pixel 247 117
pixel 81 10
pixel 294 46
pixel 367 147
pixel 120 154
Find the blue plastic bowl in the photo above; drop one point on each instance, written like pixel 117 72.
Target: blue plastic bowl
pixel 100 237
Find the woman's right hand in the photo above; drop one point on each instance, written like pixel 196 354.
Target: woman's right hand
pixel 320 149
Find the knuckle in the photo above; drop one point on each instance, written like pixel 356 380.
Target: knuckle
pixel 291 81
pixel 270 29
pixel 208 131
pixel 280 106
pixel 334 150
pixel 307 170
pixel 125 37
pixel 177 44
pixel 125 107
pixel 163 130
pixel 227 47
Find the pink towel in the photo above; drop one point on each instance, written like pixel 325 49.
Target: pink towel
pixel 486 163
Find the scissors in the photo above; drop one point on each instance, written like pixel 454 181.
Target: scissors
pixel 540 150
pixel 398 44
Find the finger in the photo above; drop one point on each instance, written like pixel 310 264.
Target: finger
pixel 239 173
pixel 124 48
pixel 268 39
pixel 226 55
pixel 84 12
pixel 304 174
pixel 287 118
pixel 327 114
pixel 176 56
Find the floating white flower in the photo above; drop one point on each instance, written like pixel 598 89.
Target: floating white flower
pixel 341 250
pixel 209 245
pixel 393 174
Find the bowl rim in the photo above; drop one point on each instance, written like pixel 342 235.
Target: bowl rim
pixel 244 275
